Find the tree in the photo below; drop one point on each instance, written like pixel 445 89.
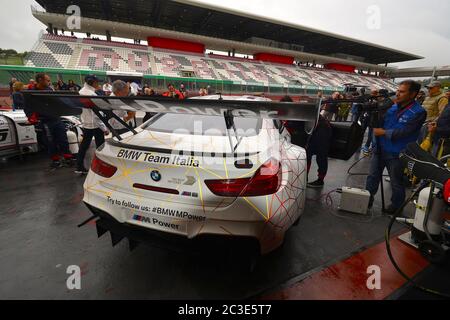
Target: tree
pixel 8 51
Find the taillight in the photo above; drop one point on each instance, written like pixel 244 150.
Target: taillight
pixel 102 168
pixel 266 181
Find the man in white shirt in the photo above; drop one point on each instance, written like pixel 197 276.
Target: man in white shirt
pixel 121 89
pixel 92 126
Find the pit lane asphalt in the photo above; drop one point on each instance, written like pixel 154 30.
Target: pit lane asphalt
pixel 39 239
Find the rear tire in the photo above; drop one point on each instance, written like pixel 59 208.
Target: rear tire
pixel 244 260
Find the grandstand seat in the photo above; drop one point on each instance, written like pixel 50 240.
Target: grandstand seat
pixel 57 52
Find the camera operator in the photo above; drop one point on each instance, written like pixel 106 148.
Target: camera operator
pixel 367 149
pixel 401 126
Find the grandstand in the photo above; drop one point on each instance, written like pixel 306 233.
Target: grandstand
pixel 273 69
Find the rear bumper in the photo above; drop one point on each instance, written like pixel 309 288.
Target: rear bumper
pixel 203 243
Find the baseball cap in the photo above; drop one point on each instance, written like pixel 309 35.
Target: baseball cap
pixel 91 78
pixel 434 84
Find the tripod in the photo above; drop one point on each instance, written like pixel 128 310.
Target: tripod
pixel 383 203
pixel 378 153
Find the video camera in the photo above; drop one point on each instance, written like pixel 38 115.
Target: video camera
pixel 348 136
pixel 370 108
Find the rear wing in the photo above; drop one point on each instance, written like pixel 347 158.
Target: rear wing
pixel 58 104
pixel 68 104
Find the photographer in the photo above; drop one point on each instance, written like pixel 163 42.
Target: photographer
pixel 173 93
pixel 401 126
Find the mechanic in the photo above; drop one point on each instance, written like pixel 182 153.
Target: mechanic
pixel 173 93
pixel 92 126
pixel 402 125
pixel 121 89
pixel 54 131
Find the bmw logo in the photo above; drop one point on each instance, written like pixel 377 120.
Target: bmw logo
pixel 156 176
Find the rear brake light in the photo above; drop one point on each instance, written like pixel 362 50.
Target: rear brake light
pixel 102 168
pixel 266 181
pixel 156 189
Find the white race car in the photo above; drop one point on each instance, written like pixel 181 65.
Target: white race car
pixel 179 175
pixel 215 170
pixel 18 137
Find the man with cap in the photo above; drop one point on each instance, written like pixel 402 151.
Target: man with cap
pixel 436 101
pixel 92 126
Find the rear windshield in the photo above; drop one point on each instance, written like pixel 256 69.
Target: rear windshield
pixel 202 125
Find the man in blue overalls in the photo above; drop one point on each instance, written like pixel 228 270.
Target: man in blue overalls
pixel 402 125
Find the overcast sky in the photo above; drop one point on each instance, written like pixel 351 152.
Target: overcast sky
pixel 418 26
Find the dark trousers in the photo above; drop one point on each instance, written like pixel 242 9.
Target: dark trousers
pixel 88 134
pixel 365 125
pixel 319 146
pixel 55 138
pixel 395 169
pixel 322 162
pixel 369 139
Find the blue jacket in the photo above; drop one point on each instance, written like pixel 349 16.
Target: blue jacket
pixel 402 127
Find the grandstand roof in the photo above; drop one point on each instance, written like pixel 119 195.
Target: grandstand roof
pixel 443 71
pixel 194 18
